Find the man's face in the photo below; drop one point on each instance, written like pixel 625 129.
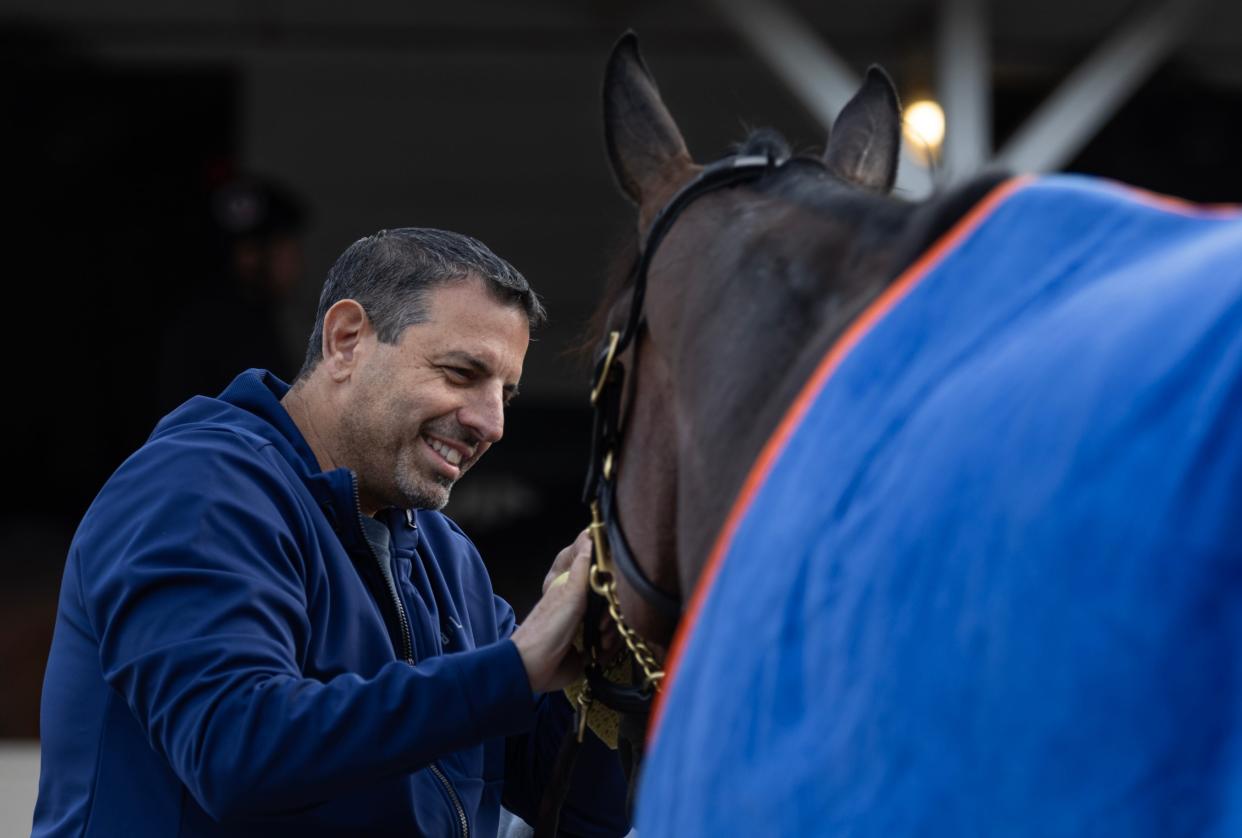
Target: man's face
pixel 424 410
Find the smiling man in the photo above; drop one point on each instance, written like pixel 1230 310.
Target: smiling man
pixel 267 627
pixel 430 401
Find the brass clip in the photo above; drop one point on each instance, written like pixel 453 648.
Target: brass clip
pixel 584 706
pixel 599 538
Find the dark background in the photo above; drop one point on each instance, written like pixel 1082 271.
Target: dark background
pixel 475 116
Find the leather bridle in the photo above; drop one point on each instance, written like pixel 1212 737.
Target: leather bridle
pixel 612 554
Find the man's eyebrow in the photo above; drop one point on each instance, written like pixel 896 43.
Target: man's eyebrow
pixel 479 366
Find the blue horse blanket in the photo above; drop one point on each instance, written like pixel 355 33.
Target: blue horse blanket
pixel 991 583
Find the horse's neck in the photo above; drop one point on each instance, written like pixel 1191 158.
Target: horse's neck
pixel 756 375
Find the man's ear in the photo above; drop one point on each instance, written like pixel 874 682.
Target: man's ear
pixel 346 330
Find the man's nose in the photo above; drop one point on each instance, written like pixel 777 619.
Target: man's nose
pixel 485 416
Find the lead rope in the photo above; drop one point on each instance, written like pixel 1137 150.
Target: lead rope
pixel 547 823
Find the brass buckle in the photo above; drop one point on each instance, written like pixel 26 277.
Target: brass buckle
pixel 613 339
pixel 584 708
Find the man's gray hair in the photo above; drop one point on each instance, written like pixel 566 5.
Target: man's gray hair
pixel 390 273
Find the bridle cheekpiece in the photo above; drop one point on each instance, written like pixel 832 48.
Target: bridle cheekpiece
pixel 612 554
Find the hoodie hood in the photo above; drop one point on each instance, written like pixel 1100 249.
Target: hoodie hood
pixel 250 406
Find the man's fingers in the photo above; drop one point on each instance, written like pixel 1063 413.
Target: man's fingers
pixel 582 563
pixel 566 592
pixel 576 582
pixel 565 559
pixel 544 639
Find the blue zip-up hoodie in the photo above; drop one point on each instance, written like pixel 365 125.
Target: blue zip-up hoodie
pixel 230 658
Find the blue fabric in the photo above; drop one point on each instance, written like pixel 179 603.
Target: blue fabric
pixel 225 656
pixel 992 585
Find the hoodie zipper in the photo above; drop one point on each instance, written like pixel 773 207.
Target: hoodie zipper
pixel 407 652
pixel 448 787
pixel 407 644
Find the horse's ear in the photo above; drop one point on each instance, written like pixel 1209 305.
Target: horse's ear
pixel 866 138
pixel 644 144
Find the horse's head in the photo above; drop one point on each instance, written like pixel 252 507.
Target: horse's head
pixel 737 289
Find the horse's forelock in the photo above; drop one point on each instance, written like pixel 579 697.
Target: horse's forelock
pixel 765 142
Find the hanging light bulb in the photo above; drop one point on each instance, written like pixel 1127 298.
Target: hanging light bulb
pixel 923 124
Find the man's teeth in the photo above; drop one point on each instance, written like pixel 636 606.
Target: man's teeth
pixel 450 454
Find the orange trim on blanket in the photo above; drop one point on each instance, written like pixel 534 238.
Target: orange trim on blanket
pixel 840 348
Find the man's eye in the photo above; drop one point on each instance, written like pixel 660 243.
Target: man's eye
pixel 458 374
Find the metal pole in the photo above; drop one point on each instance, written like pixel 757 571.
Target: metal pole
pixel 821 80
pixel 1091 94
pixel 964 86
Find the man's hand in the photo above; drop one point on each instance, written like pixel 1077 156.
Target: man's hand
pixel 544 639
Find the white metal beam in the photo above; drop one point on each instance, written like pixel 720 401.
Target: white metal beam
pixel 816 75
pixel 1094 91
pixel 964 87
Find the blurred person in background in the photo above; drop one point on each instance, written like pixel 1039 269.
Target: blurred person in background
pixel 106 191
pixel 267 627
pixel 254 264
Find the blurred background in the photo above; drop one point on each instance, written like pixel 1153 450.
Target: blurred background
pixel 181 175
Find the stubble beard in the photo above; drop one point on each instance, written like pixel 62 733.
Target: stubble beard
pixel 391 468
pixel 419 490
pixel 408 484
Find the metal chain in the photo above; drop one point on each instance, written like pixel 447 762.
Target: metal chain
pixel 603 584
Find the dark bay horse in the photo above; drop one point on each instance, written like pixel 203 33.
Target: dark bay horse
pixel 953 491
